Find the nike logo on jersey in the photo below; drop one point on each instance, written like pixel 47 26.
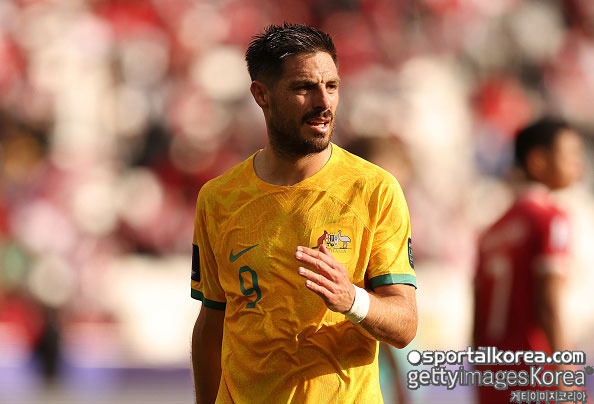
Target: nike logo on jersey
pixel 234 257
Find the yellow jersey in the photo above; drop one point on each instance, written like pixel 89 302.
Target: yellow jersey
pixel 281 344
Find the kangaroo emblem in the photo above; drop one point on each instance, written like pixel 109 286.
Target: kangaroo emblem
pixel 321 239
pixel 345 239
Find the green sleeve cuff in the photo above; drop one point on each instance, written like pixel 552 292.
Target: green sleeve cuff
pixel 391 279
pixel 211 304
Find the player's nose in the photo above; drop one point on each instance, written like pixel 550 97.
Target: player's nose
pixel 322 98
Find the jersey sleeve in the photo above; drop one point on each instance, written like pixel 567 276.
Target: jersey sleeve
pixel 556 235
pixel 553 245
pixel 391 259
pixel 205 278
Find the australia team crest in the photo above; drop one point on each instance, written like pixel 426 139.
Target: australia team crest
pixel 339 240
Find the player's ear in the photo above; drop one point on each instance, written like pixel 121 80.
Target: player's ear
pixel 259 91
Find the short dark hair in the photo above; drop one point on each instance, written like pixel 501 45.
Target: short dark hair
pixel 541 133
pixel 267 50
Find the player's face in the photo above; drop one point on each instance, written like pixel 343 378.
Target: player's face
pixel 566 159
pixel 303 105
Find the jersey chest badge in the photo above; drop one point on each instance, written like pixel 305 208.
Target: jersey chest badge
pixel 339 240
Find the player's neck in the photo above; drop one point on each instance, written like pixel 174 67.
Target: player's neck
pixel 279 170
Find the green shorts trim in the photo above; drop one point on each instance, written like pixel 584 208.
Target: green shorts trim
pixel 211 304
pixel 391 279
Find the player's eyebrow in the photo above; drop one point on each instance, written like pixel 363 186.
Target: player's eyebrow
pixel 303 82
pixel 309 82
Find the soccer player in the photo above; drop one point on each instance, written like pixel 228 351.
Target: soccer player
pixel 521 257
pixel 302 253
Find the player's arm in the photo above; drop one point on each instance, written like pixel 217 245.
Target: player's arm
pixel 392 314
pixel 547 303
pixel 548 310
pixel 549 273
pixel 206 354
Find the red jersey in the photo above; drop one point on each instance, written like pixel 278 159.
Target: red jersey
pixel 511 257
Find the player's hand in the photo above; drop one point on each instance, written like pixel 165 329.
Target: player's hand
pixel 329 279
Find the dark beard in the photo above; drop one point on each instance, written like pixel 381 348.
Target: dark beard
pixel 287 142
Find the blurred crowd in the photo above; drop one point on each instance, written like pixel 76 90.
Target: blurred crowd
pixel 113 113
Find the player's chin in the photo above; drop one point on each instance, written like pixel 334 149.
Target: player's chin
pixel 319 143
pixel 315 135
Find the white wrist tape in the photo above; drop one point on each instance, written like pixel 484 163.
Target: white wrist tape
pixel 360 306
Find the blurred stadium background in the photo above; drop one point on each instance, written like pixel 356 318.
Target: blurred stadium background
pixel 113 113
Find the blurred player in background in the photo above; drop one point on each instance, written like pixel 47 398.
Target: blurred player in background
pixel 302 253
pixel 522 266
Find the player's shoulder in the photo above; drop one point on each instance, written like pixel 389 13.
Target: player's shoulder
pixel 531 213
pixel 363 171
pixel 358 179
pixel 509 229
pixel 232 179
pixel 540 206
